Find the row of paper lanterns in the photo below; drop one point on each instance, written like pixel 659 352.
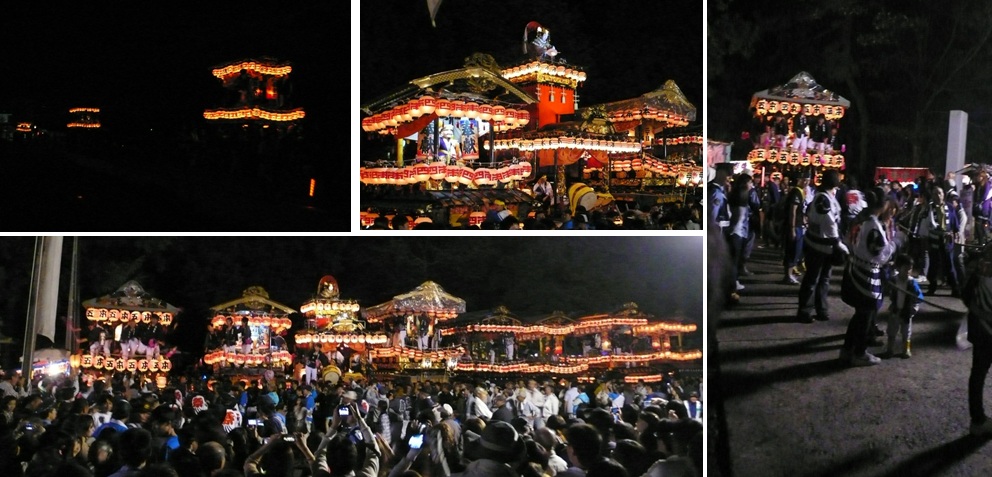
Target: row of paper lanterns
pixel 425 105
pixel 320 307
pixel 795 158
pixel 113 315
pixel 652 165
pixel 305 339
pixel 417 354
pixel 675 141
pixel 278 358
pixel 120 364
pixel 634 358
pixel 538 67
pixel 449 173
pixel 438 314
pixel 672 119
pixel 613 147
pixel 277 324
pixel 766 106
pixel 521 368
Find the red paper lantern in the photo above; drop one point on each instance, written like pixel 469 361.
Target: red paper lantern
pixel 443 108
pixel 499 114
pixel 427 104
pixel 485 112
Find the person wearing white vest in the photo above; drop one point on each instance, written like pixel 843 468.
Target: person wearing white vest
pixel 822 237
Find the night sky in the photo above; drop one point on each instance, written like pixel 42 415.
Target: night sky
pixel 147 64
pixel 531 276
pixel 627 48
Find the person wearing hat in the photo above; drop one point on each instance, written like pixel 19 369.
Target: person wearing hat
pixel 822 241
pixel 500 451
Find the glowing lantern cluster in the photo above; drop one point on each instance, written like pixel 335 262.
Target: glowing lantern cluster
pixel 794 158
pixel 565 142
pixel 419 355
pixel 454 174
pixel 113 315
pixel 97 362
pixel 252 67
pixel 386 121
pixel 655 166
pixel 24 127
pixel 520 368
pixel 635 358
pixel 680 140
pixel 254 113
pixel 329 307
pixel 278 325
pixel 671 119
pixel 830 112
pixel 537 69
pixel 307 339
pixel 84 110
pixel 277 358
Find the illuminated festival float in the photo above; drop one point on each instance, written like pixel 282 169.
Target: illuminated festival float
pixel 413 321
pixel 84 118
pixel 500 343
pixel 125 331
pixel 468 137
pixel 257 92
pixel 800 120
pixel 336 343
pixel 247 335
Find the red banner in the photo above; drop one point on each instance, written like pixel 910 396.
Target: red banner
pixel 900 174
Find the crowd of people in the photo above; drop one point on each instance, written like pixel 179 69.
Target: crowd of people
pixel 670 216
pixel 202 427
pixel 891 242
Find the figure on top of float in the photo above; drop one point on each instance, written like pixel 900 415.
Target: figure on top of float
pixel 537 42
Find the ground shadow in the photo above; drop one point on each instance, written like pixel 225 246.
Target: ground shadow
pixel 936 460
pixel 850 464
pixel 757 320
pixel 792 348
pixel 739 383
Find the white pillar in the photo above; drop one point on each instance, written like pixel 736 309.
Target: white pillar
pixel 957 138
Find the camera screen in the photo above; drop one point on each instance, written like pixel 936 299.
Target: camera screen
pixel 343 411
pixel 416 441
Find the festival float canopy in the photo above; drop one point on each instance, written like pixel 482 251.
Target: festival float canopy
pixel 428 298
pixel 474 92
pixel 666 106
pixel 261 311
pixel 802 91
pixel 130 302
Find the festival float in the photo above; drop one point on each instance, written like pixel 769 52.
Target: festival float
pixel 412 321
pixel 669 164
pixel 247 336
pixel 337 340
pixel 468 137
pixel 257 93
pixel 84 118
pixel 789 153
pixel 107 317
pixel 558 345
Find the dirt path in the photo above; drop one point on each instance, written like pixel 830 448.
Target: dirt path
pixel 793 409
